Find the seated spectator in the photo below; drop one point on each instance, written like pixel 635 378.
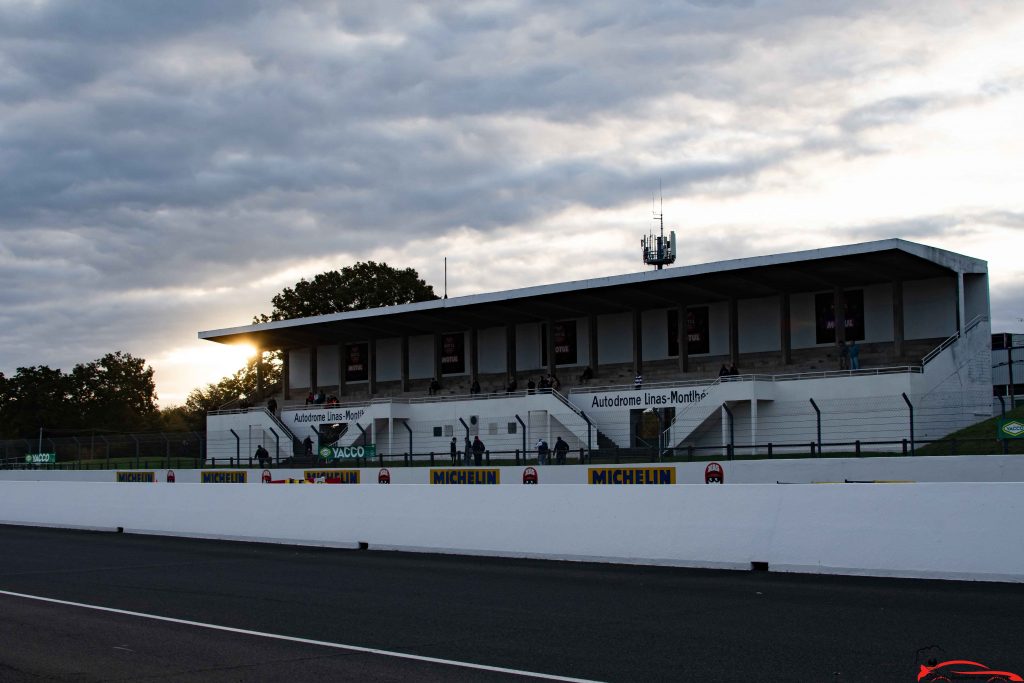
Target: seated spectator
pixel 434 387
pixel 733 371
pixel 475 387
pixel 586 375
pixel 512 386
pixel 555 384
pixel 310 398
pixel 723 371
pixel 319 399
pixel 531 386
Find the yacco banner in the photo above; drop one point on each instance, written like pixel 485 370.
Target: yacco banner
pixel 631 475
pixel 357 362
pixel 319 416
pixel 453 353
pixel 331 476
pixel 1011 429
pixel 465 476
pixel 825 316
pixel 631 399
pixel 697 331
pixel 136 477
pixel 223 476
pixel 346 452
pixel 41 458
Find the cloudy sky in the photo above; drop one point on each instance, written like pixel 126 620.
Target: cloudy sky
pixel 169 166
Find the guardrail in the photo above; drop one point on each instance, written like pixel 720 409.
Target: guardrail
pixel 974 322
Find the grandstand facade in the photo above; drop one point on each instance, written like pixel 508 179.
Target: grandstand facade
pixel 919 317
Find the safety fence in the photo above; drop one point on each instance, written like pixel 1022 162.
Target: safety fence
pixel 103 450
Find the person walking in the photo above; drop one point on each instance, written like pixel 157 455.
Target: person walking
pixel 262 456
pixel 542 452
pixel 561 449
pixel 454 451
pixel 272 406
pixel 478 451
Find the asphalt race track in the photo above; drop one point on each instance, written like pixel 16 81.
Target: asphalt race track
pixel 587 621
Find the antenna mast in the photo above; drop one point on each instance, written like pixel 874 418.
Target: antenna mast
pixel 657 249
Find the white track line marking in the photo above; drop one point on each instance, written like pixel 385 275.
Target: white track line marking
pixel 305 641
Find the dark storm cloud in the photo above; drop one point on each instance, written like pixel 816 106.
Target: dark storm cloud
pixel 151 150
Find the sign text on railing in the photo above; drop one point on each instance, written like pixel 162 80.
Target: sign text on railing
pixel 346 452
pixel 41 458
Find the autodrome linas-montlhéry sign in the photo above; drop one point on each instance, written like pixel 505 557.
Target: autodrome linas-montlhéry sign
pixel 644 399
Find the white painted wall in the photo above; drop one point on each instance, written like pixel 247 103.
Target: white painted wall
pixel 615 338
pixel 389 359
pixel 718 326
pixel 759 325
pixel 493 347
pixel 929 308
pixel 298 368
pixel 861 529
pixel 654 330
pixel 327 365
pixel 878 313
pixel 421 356
pixel 528 347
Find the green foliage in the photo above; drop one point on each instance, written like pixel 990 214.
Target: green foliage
pixel 359 286
pixel 234 390
pixel 115 392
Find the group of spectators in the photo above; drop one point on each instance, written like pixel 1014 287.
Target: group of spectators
pixel 473 452
pixel 730 371
pixel 319 398
pixel 849 355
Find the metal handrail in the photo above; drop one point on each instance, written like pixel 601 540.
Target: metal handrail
pixel 949 341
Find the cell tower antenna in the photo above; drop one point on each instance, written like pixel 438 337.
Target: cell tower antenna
pixel 657 249
pixel 445 277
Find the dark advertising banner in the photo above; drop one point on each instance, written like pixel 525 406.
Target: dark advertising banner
pixel 565 343
pixel 697 326
pixel 825 316
pixel 453 354
pixel 357 362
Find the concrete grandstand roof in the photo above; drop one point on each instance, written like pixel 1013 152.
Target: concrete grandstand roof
pixel 758 276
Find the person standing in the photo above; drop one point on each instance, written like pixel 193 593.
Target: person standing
pixel 531 386
pixel 454 451
pixel 272 406
pixel 638 381
pixel 854 352
pixel 844 356
pixel 468 452
pixel 478 451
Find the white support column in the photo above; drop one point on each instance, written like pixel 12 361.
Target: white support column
pixel 960 303
pixel 753 425
pixel 725 430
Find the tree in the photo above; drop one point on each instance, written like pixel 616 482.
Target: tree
pixel 359 286
pixel 116 392
pixel 229 390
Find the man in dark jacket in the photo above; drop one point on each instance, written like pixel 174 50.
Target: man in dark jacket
pixel 478 451
pixel 561 449
pixel 455 452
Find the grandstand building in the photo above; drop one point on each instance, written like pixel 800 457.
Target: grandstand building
pixel 919 317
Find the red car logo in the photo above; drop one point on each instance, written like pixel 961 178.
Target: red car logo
pixel 530 475
pixel 963 670
pixel 384 476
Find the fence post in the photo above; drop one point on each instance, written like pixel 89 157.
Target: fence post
pixel 769 450
pixel 732 429
pixel 517 456
pixel 581 455
pixel 817 413
pixel 238 446
pixel 911 407
pixel 136 450
pixel 689 451
pixel 856 447
pixel 168 443
pixel 487 456
pixel 904 446
pixel 812 449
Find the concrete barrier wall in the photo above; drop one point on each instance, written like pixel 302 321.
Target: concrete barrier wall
pixel 951 531
pixel 961 468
